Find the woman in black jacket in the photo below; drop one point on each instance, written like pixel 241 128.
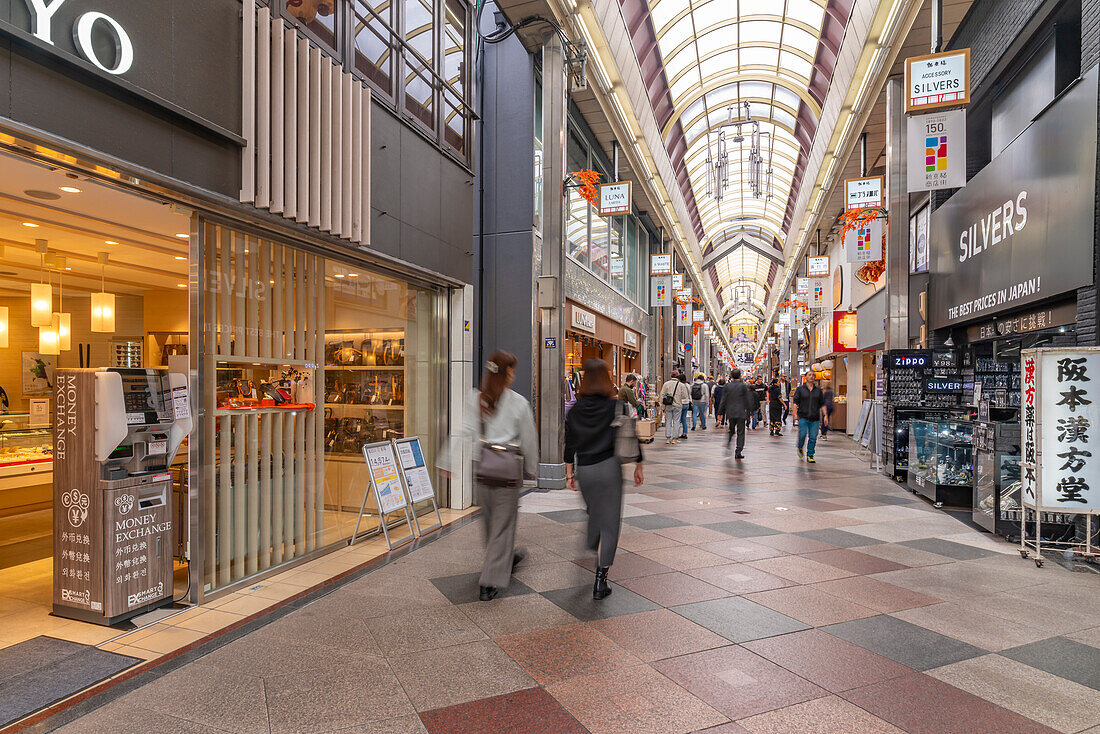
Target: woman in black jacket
pixel 776 407
pixel 590 445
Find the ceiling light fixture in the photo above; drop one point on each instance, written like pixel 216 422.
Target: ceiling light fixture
pixel 103 303
pixel 182 235
pixel 29 224
pixel 110 242
pixel 69 189
pixel 180 257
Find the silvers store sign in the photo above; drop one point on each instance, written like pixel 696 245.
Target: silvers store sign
pixel 1022 229
pixel 89 25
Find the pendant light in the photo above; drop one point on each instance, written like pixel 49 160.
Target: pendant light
pixel 61 319
pixel 41 293
pixel 3 327
pixel 103 303
pixel 47 335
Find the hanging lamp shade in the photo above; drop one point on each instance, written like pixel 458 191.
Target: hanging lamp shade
pixel 47 337
pixel 64 330
pixel 3 327
pixel 103 312
pixel 41 304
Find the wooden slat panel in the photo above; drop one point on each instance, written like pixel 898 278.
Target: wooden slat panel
pixel 240 286
pixel 278 488
pixel 289 484
pixel 299 484
pixel 351 95
pixel 251 292
pixel 209 341
pixel 252 496
pixel 302 127
pixel 248 110
pixel 325 174
pixel 277 323
pixel 315 142
pixel 357 163
pixel 333 131
pixel 225 500
pixel 263 107
pixel 278 167
pixel 364 236
pixel 266 289
pixel 224 286
pixel 266 490
pixel 300 304
pixel 240 464
pixel 290 124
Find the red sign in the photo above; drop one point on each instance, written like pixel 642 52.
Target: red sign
pixel 844 331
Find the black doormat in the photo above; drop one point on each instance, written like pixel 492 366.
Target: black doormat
pixel 44 670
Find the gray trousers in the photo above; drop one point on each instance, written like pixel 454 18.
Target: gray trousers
pixel 499 507
pixel 737 425
pixel 602 487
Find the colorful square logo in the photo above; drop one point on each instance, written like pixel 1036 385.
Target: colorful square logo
pixel 863 239
pixel 935 153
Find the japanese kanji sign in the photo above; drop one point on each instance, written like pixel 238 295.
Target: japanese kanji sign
pixel 937 80
pixel 1061 407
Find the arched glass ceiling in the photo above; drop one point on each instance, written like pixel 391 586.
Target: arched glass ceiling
pixel 718 53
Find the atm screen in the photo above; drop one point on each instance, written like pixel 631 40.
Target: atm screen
pixel 145 394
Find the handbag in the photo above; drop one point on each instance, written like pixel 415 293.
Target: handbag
pixel 667 400
pixel 627 446
pixel 499 465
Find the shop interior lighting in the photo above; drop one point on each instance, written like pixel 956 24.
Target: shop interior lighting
pixel 62 321
pixel 180 257
pixel 110 242
pixel 41 293
pixel 3 327
pixel 103 303
pixel 29 224
pixel 182 235
pixel 47 339
pixel 69 189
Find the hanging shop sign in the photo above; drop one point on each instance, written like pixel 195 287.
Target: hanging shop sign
pixel 697 315
pixel 844 331
pixel 918 240
pixel 1060 409
pixel 785 319
pixel 584 320
pixel 660 264
pixel 778 328
pixel 938 80
pixel 937 151
pixel 630 338
pixel 677 281
pixel 1022 229
pixel 683 315
pixel 817 293
pixel 860 193
pixel 864 243
pixel 684 293
pixel 614 198
pixel 1023 323
pixel 817 267
pixel 660 291
pixel 801 286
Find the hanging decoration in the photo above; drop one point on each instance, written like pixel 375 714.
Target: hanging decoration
pixel 853 219
pixel 585 181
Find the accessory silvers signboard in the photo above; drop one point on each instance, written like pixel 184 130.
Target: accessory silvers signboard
pixel 1022 229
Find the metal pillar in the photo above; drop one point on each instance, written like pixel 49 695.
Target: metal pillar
pixel 551 285
pixel 897 231
pixel 937 25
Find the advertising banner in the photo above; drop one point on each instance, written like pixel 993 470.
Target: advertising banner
pixel 817 267
pixel 660 293
pixel 936 157
pixel 1022 229
pixel 683 315
pixel 802 286
pixel 677 281
pixel 860 193
pixel 660 264
pixel 937 80
pixel 817 293
pixel 864 244
pixel 615 198
pixel 697 315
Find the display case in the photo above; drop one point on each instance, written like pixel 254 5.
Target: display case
pixel 364 389
pixel 941 461
pixel 22 448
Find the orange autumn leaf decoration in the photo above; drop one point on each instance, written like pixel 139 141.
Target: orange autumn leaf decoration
pixel 587 181
pixel 853 219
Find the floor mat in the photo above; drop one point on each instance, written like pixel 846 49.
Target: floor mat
pixel 44 670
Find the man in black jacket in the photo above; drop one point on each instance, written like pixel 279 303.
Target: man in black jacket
pixel 737 399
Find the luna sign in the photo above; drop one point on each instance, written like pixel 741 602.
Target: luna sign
pixel 86 25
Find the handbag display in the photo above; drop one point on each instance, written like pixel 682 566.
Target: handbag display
pixel 627 446
pixel 499 465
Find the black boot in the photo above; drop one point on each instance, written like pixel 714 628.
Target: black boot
pixel 601 588
pixel 488 593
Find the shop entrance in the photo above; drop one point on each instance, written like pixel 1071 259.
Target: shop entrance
pixel 105 273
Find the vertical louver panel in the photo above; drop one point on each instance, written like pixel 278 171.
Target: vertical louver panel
pixel 307 127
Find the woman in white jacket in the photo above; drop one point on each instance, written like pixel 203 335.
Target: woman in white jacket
pixel 496 414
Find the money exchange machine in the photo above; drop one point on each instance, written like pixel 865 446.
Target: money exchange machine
pixel 116 432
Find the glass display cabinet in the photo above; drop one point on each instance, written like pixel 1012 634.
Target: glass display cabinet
pixel 941 461
pixel 24 446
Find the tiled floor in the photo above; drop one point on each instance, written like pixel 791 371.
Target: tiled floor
pixel 770 596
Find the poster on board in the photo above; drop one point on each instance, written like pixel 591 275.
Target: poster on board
pixel 416 473
pixel 382 465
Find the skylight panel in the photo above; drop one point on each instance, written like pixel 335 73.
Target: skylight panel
pixel 759 31
pixel 759 56
pixel 795 64
pixel 806 11
pixel 795 37
pixel 663 11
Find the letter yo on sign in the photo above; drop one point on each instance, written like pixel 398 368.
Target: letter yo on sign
pixel 124 48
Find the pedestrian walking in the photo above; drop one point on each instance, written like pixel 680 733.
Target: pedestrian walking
pixel 628 396
pixel 760 394
pixel 499 416
pixel 776 407
pixel 811 414
pixel 785 386
pixel 671 398
pixel 827 394
pixel 685 405
pixel 700 398
pixel 591 464
pixel 716 398
pixel 738 406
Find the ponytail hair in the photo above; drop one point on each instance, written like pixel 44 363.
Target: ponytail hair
pixel 495 380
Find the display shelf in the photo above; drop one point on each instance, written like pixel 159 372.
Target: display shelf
pixel 365 367
pixel 258 411
pixel 941 461
pixel 364 405
pixel 265 361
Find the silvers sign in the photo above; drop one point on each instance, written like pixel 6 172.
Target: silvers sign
pixel 1022 229
pixel 42 13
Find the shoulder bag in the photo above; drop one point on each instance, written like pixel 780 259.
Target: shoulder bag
pixel 499 465
pixel 627 446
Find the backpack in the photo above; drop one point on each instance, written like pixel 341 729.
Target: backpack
pixel 697 391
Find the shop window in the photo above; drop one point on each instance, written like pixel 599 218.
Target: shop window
pixel 419 60
pixel 632 240
pixel 617 255
pixel 576 223
pixel 600 261
pixel 320 19
pixel 372 21
pixel 538 157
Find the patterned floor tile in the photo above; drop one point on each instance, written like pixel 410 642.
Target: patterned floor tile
pixel 799 569
pixel 908 644
pixel 626 566
pixel 809 605
pixel 854 561
pixel 684 557
pixel 742 529
pixel 465 588
pixel 448 676
pixel 739 578
pixel 741 550
pixel 830 662
pixel 958 551
pixel 669 589
pixel 528 711
pixel 793 543
pixel 737 682
pixel 837 538
pixel 578 601
pixel 658 634
pixel 653 522
pixel 559 653
pixel 514 614
pixel 738 619
pixel 974 626
pixel 1063 657
pixel 828 715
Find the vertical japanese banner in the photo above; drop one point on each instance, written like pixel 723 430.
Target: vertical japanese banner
pixel 1069 474
pixel 1029 484
pixel 937 151
pixel 683 315
pixel 660 291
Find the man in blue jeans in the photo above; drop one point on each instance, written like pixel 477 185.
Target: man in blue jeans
pixel 810 403
pixel 700 399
